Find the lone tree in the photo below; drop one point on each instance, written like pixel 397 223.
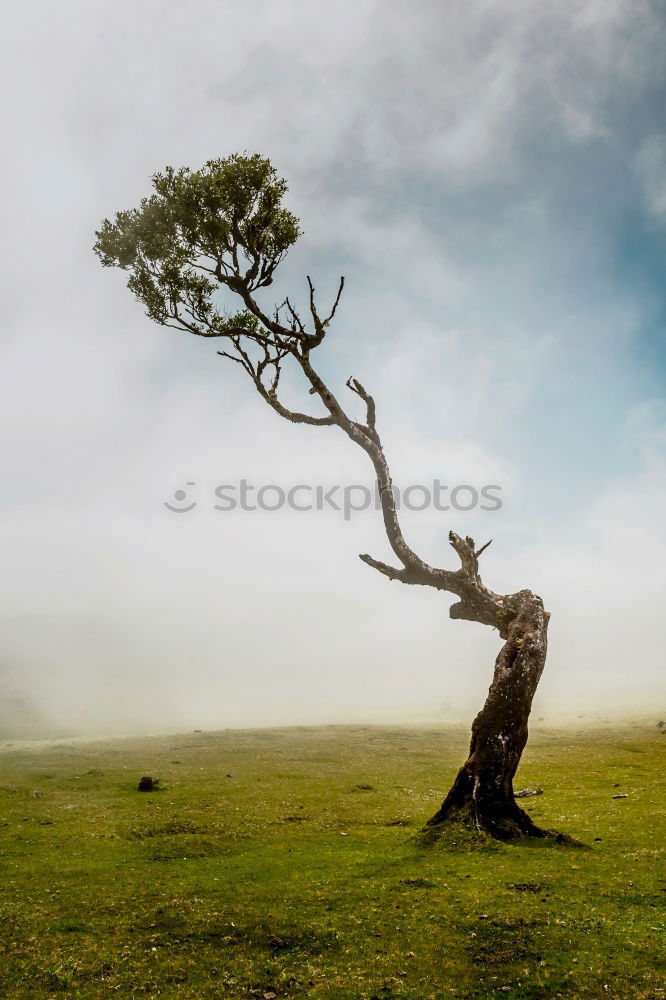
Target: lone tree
pixel 225 225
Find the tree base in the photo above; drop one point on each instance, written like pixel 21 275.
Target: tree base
pixel 510 824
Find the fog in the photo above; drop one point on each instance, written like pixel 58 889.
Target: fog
pixel 491 180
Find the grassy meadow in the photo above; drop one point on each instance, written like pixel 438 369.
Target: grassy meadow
pixel 286 863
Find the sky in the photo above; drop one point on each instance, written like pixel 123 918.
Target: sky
pixel 491 180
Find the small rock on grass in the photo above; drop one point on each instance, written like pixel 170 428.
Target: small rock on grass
pixel 148 784
pixel 527 793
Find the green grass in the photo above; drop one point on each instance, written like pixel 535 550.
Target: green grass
pixel 286 863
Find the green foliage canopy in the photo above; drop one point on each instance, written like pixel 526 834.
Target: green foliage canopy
pixel 221 225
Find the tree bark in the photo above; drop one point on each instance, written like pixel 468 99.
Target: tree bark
pixel 482 792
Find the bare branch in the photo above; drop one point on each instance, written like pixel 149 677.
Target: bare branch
pixel 292 415
pixel 477 602
pixel 356 387
pixel 392 572
pixel 335 304
pixel 239 361
pixel 238 285
pixel 296 319
pixel 270 395
pixel 318 386
pixel 320 332
pixel 465 549
pixel 482 549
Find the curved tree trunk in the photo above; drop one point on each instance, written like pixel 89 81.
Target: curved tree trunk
pixel 483 789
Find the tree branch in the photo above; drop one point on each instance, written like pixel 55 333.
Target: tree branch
pixel 335 304
pixel 477 602
pixel 483 548
pixel 356 387
pixel 319 328
pixel 393 573
pixel 270 395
